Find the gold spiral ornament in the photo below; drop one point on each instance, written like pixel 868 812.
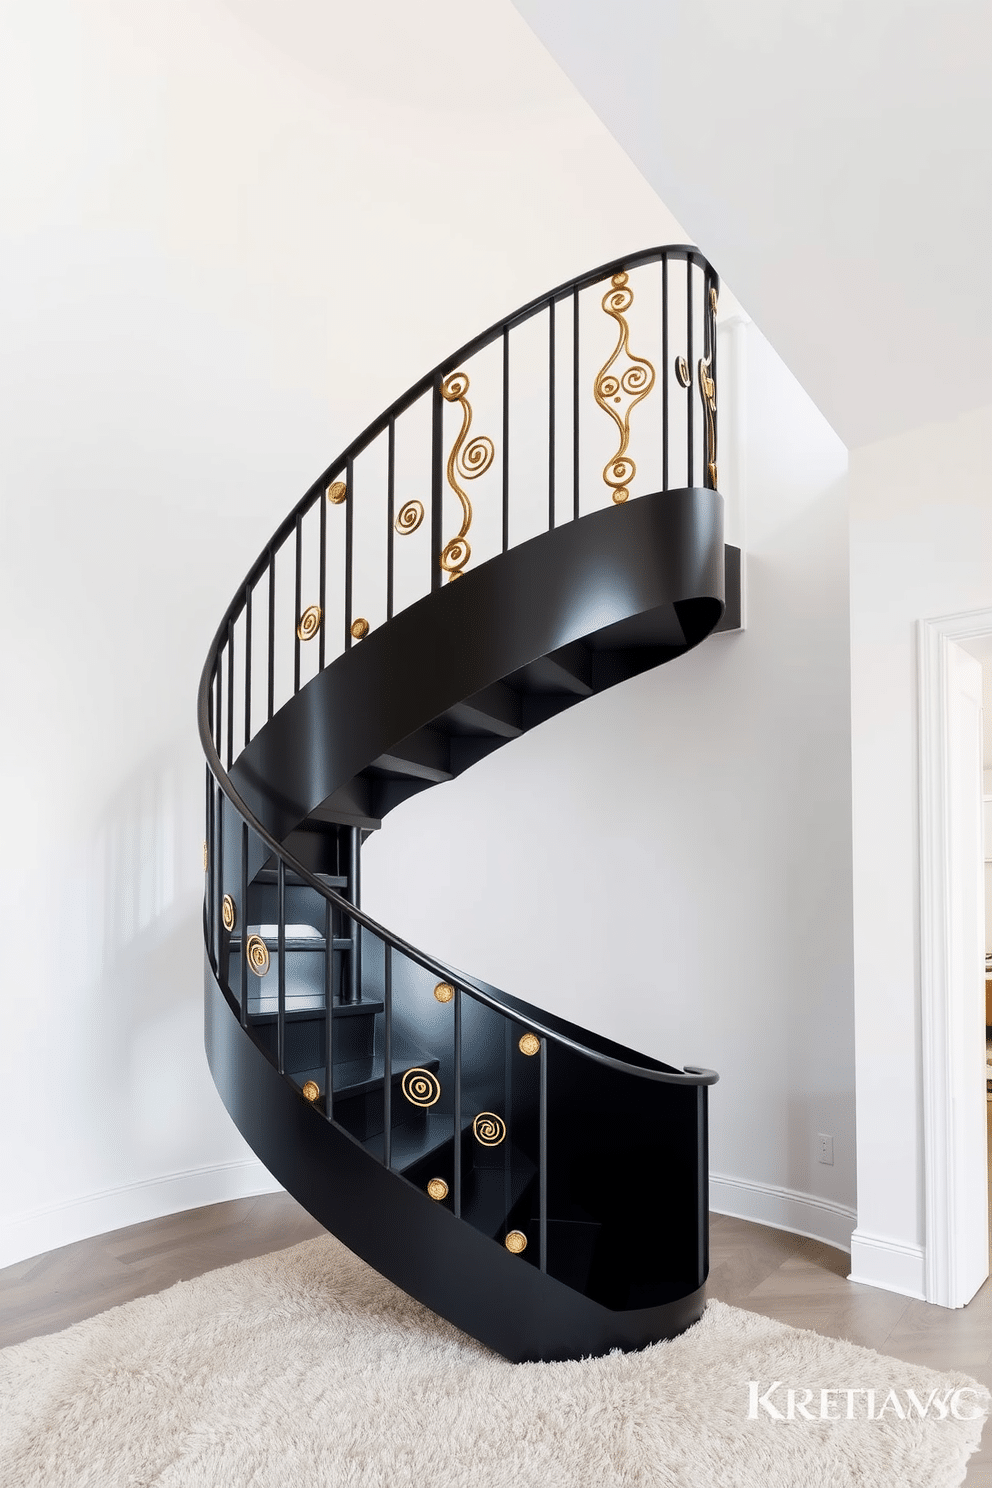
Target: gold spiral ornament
pixel 622 381
pixel 336 492
pixel 529 1044
pixel 444 991
pixel 258 955
pixel 515 1242
pixel 707 393
pixel 421 1088
pixel 228 913
pixel 489 1129
pixel 311 1090
pixel 682 371
pixel 409 517
pixel 438 1189
pixel 309 623
pixel 359 628
pixel 467 461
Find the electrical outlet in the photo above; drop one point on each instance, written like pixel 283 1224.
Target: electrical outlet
pixel 825 1149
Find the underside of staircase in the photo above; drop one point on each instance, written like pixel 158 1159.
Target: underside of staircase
pixel 542 1187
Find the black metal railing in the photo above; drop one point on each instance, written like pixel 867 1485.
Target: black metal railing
pixel 553 389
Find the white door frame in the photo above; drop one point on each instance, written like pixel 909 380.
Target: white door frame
pixel 943 1179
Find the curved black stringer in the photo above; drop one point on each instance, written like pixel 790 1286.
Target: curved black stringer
pixel 540 1186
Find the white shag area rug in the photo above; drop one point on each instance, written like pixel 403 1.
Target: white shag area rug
pixel 306 1368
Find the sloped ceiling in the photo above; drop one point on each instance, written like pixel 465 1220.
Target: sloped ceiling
pixel 833 158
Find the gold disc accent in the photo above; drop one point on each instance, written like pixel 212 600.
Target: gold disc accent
pixel 421 1088
pixel 336 492
pixel 621 495
pixel 529 1044
pixel 309 623
pixel 228 913
pixel 682 371
pixel 311 1090
pixel 444 991
pixel 489 1129
pixel 409 517
pixel 359 628
pixel 438 1189
pixel 258 955
pixel 515 1242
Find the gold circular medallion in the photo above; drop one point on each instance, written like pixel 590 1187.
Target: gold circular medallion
pixel 359 628
pixel 489 1129
pixel 311 1090
pixel 309 623
pixel 336 492
pixel 258 955
pixel 529 1044
pixel 515 1242
pixel 444 991
pixel 620 495
pixel 682 371
pixel 228 913
pixel 420 1087
pixel 438 1189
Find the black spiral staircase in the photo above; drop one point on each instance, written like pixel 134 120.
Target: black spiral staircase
pixel 542 1187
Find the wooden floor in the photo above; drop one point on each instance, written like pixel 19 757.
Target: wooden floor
pixel 801 1282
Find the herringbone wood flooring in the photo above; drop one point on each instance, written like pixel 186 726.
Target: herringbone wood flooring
pixel 798 1281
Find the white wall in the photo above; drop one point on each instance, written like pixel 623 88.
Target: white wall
pixel 921 546
pixel 670 862
pixel 232 233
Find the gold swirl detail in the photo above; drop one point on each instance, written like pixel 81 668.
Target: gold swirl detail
pixel 467 461
pixel 682 371
pixel 409 517
pixel 618 388
pixel 228 913
pixel 444 991
pixel 336 492
pixel 707 393
pixel 309 623
pixel 258 955
pixel 421 1088
pixel 515 1242
pixel 359 628
pixel 311 1090
pixel 438 1189
pixel 529 1044
pixel 489 1129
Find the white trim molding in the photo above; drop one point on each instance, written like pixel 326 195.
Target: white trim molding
pixel 48 1228
pixel 889 1265
pixel 783 1209
pixel 944 1184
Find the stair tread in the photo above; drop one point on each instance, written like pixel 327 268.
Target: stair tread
pixel 413 1144
pixel 294 881
pixel 298 938
pixel 358 1076
pixel 301 1005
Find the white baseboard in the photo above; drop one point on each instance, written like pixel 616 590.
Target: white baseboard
pixel 783 1209
pixel 890 1265
pixel 46 1229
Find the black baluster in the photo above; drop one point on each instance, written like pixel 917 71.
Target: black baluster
pixel 243 916
pixel 281 942
pixel 543 1159
pixel 328 1009
pixel 575 404
pixel 551 415
pixel 664 373
pixel 230 692
pixel 248 594
pixel 299 603
pixel 690 451
pixel 272 630
pixel 322 599
pixel 354 883
pixel 506 438
pixel 457 1195
pixel 387 1068
pixel 390 513
pixel 349 552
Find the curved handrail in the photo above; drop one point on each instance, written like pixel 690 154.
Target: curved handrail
pixel 692 1076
